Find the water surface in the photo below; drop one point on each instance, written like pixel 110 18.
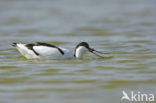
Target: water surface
pixel 124 28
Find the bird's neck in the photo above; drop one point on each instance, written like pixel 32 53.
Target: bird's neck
pixel 79 52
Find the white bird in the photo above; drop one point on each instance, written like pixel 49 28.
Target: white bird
pixel 44 50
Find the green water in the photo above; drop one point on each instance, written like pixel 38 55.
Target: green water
pixel 124 28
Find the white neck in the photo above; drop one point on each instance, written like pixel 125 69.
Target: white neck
pixel 80 51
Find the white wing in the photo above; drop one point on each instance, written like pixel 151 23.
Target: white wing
pixel 25 51
pixel 48 52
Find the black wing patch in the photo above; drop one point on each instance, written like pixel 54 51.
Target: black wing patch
pixel 49 45
pixel 30 46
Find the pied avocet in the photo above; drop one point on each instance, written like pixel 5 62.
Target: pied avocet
pixel 44 50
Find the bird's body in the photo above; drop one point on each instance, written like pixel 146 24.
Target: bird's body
pixel 48 51
pixel 43 50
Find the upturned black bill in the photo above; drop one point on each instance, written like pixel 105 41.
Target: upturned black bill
pixel 95 52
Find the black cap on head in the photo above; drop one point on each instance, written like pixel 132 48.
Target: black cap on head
pixel 85 44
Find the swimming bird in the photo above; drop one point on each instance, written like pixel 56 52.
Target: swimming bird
pixel 45 50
